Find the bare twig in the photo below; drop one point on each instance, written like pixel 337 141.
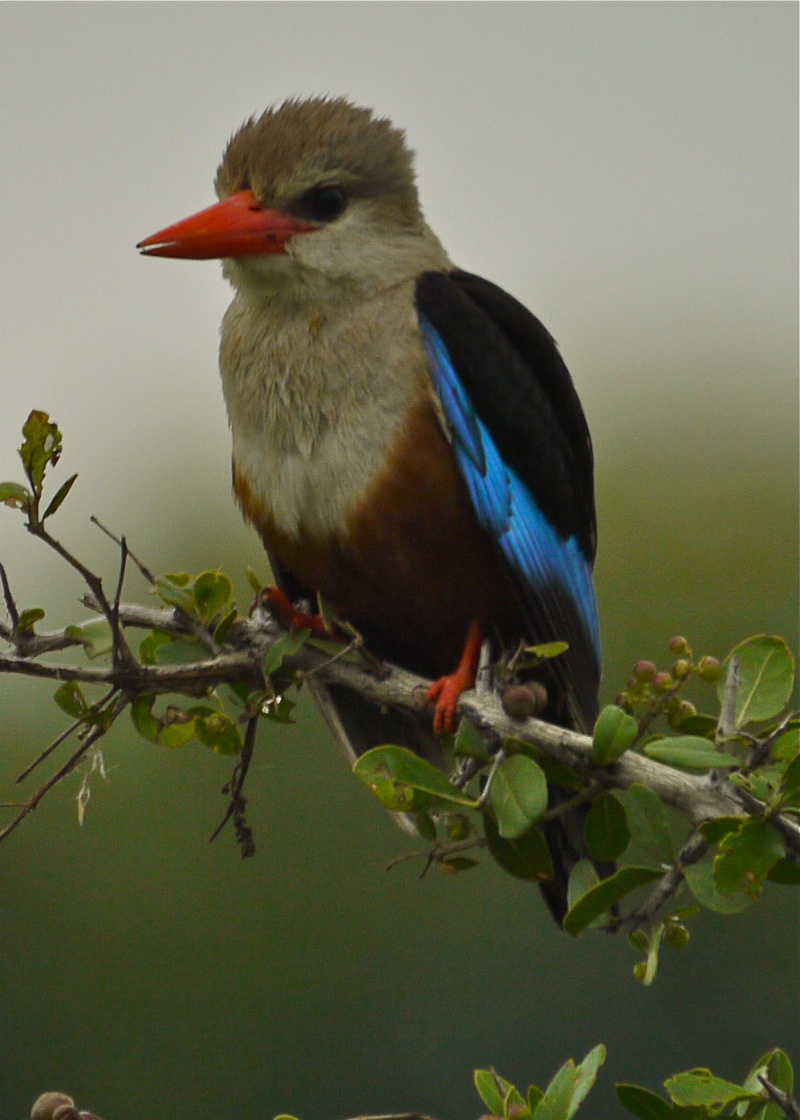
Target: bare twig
pixel 440 853
pixel 94 733
pixel 59 739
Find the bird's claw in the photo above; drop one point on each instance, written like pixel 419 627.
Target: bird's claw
pixel 273 599
pixel 445 694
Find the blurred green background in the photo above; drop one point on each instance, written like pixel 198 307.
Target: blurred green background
pixel 629 171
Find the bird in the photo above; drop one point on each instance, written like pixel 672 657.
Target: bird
pixel 406 437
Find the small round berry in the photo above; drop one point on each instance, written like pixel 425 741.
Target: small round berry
pixel 644 670
pixel 709 669
pixel 520 701
pixel 47 1105
pixel 681 669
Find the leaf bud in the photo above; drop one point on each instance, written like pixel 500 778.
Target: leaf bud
pixel 644 670
pixel 709 669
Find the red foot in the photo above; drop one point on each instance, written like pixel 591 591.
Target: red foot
pixel 446 691
pixel 279 604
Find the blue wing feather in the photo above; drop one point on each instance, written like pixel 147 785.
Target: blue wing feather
pixel 539 556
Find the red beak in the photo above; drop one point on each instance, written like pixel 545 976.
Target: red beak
pixel 239 226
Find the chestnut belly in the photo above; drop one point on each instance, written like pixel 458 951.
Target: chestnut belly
pixel 411 568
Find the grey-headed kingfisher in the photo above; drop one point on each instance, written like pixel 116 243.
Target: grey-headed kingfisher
pixel 407 439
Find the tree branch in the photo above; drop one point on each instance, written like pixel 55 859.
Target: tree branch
pixel 698 798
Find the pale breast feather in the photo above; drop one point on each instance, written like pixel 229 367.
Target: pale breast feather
pixel 316 407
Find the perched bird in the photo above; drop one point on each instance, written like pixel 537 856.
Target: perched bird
pixel 406 438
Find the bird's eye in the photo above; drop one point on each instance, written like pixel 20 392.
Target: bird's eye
pixel 324 203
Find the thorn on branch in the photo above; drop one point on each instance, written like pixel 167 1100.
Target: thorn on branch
pixel 782 1100
pixel 11 606
pixel 121 542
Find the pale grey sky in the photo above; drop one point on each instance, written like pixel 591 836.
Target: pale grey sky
pixel 626 169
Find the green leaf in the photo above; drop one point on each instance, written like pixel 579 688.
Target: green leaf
pixel 642 1103
pixel 701 1087
pixel 582 878
pixel 786 745
pixel 557 1098
pixel 766 678
pixel 256 584
pixel 515 1107
pixel 518 795
pixel 586 1076
pixel 216 730
pixel 149 646
pixel 786 872
pixel 95 637
pixel 776 1068
pixel 556 773
pixel 689 752
pixel 286 646
pixel 699 724
pixel 70 699
pixel 527 858
pixel 175 590
pixel 174 729
pixel 548 650
pixel 535 1094
pixel 790 782
pixel 41 447
pixel 59 498
pixel 224 625
pixel 700 877
pixel 469 743
pixel 605 829
pixel 180 651
pixel 426 826
pixel 212 592
pixel 613 733
pixel 746 856
pixel 142 716
pixel 492 1089
pixel 15 496
pixel 648 822
pixel 714 830
pixel 605 894
pixel 396 775
pixel 29 618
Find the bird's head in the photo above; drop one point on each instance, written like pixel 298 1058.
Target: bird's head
pixel 314 193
